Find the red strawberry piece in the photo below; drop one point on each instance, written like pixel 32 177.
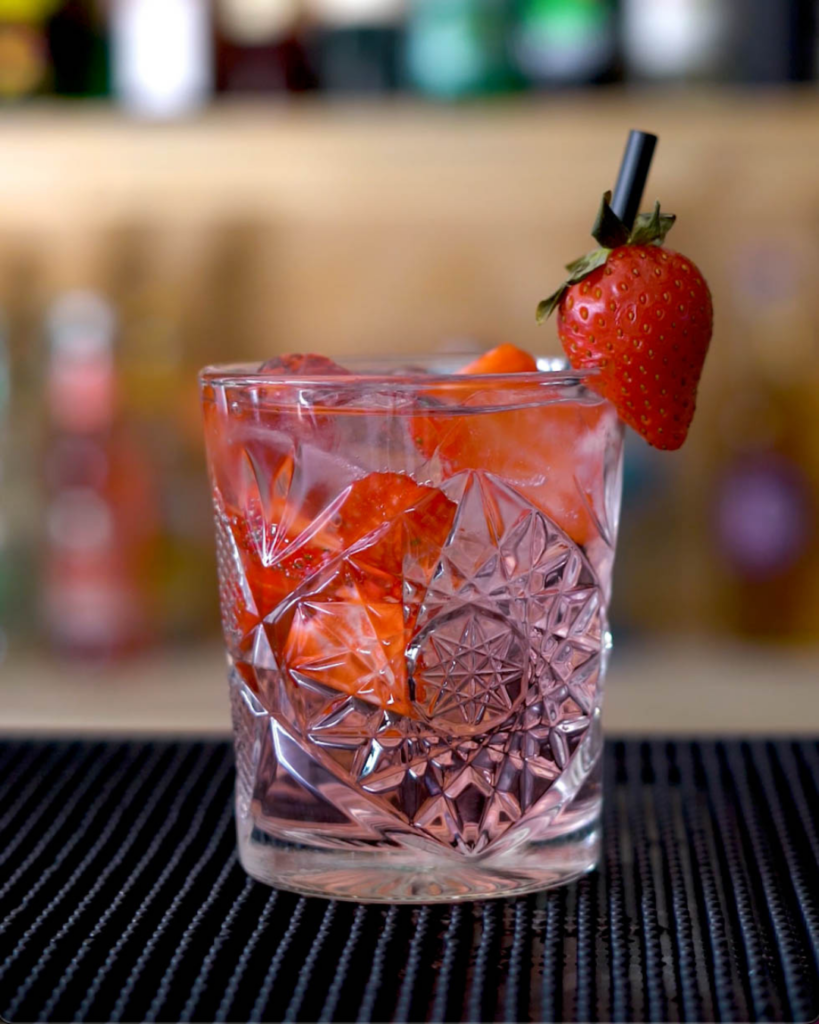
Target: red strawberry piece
pixel 505 358
pixel 369 505
pixel 302 366
pixel 544 470
pixel 351 630
pixel 380 499
pixel 641 317
pixel 279 404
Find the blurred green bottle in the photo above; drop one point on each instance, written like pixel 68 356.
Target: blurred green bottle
pixel 565 42
pixel 357 44
pixel 459 48
pixel 78 44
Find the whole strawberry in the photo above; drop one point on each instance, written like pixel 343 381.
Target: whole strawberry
pixel 641 317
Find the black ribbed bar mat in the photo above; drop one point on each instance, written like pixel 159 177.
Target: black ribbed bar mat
pixel 121 900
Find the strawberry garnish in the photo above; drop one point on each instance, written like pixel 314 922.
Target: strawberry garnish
pixel 640 316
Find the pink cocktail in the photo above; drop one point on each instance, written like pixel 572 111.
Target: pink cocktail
pixel 415 570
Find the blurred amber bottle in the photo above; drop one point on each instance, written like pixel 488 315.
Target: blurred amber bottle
pixel 101 525
pixel 765 458
pixel 156 278
pixel 25 63
pixel 5 561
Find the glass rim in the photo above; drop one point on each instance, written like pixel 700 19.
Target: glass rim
pixel 551 372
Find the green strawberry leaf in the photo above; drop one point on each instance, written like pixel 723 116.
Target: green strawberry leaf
pixel 651 228
pixel 548 306
pixel 577 264
pixel 608 229
pixel 586 264
pixel 577 271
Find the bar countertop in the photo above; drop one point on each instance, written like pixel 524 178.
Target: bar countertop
pixel 680 687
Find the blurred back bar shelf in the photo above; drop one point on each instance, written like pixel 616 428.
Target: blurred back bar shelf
pixel 397 225
pixel 343 160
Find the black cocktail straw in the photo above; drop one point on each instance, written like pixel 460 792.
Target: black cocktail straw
pixel 631 182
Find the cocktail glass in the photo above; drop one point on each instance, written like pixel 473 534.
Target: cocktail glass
pixel 415 571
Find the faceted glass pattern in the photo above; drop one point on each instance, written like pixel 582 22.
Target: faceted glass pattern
pixel 414 585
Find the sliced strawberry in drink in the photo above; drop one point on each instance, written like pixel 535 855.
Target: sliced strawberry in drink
pixel 302 366
pixel 358 578
pixel 429 430
pixel 533 449
pixel 394 500
pixel 350 631
pixel 503 359
pixel 302 411
pixel 271 585
pixel 351 636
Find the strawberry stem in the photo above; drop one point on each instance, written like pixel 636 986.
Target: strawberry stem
pixel 610 232
pixel 608 229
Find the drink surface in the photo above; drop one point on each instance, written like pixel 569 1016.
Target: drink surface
pixel 414 578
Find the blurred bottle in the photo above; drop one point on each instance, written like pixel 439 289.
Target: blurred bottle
pixel 458 48
pixel 162 56
pixel 765 473
pixel 170 311
pixel 677 39
pixel 78 43
pixel 25 68
pixel 5 559
pixel 565 42
pixel 101 521
pixel 647 587
pixel 775 42
pixel 21 426
pixel 259 49
pixel 358 44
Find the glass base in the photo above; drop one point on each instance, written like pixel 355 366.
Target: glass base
pixel 408 876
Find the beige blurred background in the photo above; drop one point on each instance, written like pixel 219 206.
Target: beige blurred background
pixel 390 223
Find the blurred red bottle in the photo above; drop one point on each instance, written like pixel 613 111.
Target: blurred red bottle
pixel 259 49
pixel 101 529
